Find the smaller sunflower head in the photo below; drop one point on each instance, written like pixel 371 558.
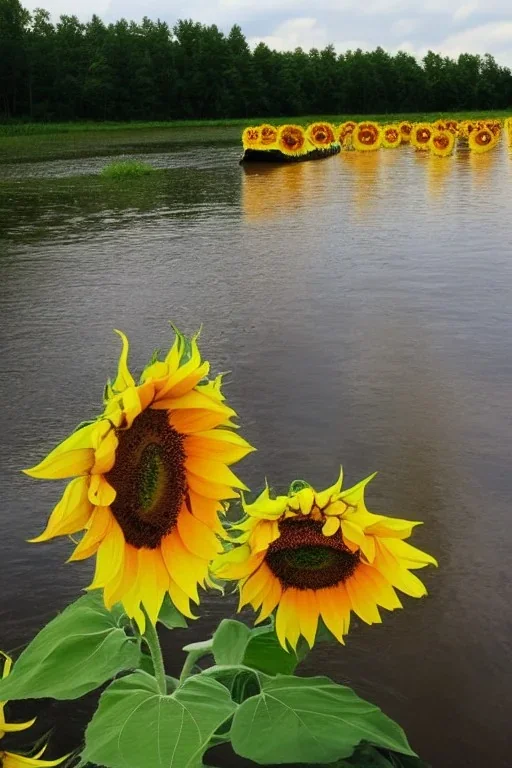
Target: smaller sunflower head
pixel 442 142
pixel 440 125
pixel 367 137
pixel 320 134
pixel 452 126
pixel 291 140
pixel 391 136
pixel 11 759
pixel 320 554
pixel 420 135
pixel 482 140
pixel 344 132
pixel 251 137
pixel 405 131
pixel 268 136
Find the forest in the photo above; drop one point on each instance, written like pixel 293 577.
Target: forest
pixel 69 70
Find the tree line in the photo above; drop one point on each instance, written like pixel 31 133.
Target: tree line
pixel 70 70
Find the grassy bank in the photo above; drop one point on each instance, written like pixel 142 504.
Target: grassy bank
pixel 42 129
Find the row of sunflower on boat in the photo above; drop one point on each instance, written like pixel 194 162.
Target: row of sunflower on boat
pixel 152 491
pixel 440 137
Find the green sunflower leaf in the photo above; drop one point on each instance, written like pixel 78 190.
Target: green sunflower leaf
pixel 265 653
pixel 135 726
pixel 318 722
pixel 230 641
pixel 76 652
pixel 169 615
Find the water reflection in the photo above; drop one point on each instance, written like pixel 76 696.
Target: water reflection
pixel 440 173
pixel 270 191
pixel 364 171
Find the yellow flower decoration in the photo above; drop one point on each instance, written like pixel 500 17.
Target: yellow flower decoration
pixel 314 555
pixel 251 137
pixel 366 137
pixel 11 759
pixel 320 135
pixel 482 140
pixel 420 135
pixel 291 140
pixel 151 475
pixel 405 131
pixel 391 136
pixel 442 142
pixel 344 132
pixel 268 136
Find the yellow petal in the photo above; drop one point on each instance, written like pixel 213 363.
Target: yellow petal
pixel 219 444
pixel 183 567
pixel 210 489
pixel 334 607
pixel 265 507
pixel 355 495
pixel 263 534
pixel 270 601
pixel 153 581
pixel 306 498
pixel 307 614
pixel 180 600
pixel 109 557
pixel 214 471
pixel 409 556
pixel 130 404
pixel 10 760
pixel 392 527
pixel 254 585
pixel 206 511
pixel 331 526
pixel 74 456
pixel 115 590
pixel 189 420
pixel 399 577
pixel 98 527
pixel 101 493
pixel 323 498
pixel 362 602
pixel 287 622
pixel 124 379
pixel 192 401
pixel 197 537
pixel 381 589
pixel 105 453
pixel 72 512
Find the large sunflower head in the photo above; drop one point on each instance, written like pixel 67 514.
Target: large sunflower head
pixel 268 136
pixel 442 142
pixel 420 135
pixel 251 137
pixel 482 140
pixel 11 759
pixel 321 134
pixel 321 555
pixel 391 136
pixel 291 140
pixel 366 136
pixel 151 475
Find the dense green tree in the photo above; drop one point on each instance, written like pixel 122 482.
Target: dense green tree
pixel 69 70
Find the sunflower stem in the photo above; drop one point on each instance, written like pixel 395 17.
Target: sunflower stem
pixel 189 664
pixel 155 649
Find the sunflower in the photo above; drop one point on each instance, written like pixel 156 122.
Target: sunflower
pixel 320 135
pixel 268 136
pixel 391 136
pixel 291 140
pixel 344 132
pixel 11 759
pixel 366 136
pixel 251 137
pixel 420 135
pixel 405 131
pixel 441 143
pixel 320 554
pixel 482 140
pixel 151 474
pixel 440 125
pixel 452 126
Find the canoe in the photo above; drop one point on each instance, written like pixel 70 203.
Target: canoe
pixel 276 156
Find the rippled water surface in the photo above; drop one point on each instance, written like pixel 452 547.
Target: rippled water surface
pixel 363 307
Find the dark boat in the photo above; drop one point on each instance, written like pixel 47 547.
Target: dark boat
pixel 276 156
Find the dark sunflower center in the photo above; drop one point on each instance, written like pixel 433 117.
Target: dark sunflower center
pixel 304 558
pixel 149 479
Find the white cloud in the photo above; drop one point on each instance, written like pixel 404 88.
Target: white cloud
pixel 465 11
pixel 404 26
pixel 495 38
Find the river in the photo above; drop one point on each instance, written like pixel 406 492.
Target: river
pixel 362 305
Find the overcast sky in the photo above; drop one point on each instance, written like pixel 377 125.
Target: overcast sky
pixel 446 26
